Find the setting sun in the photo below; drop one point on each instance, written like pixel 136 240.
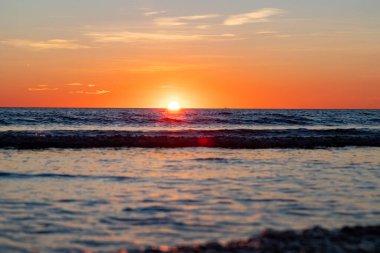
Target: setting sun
pixel 173 106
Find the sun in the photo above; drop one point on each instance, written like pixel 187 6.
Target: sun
pixel 173 106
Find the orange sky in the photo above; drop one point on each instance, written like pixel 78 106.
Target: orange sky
pixel 241 54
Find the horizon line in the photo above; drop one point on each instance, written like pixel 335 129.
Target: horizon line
pixel 184 108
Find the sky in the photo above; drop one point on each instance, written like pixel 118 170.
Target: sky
pixel 201 53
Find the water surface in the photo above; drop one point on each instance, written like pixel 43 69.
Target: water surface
pixel 108 199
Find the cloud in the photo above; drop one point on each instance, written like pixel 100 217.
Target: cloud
pixel 274 34
pixel 47 44
pixel 80 84
pixel 97 92
pixel 149 12
pixel 257 16
pixel 126 36
pixel 42 87
pixel 153 13
pixel 267 32
pixel 202 27
pixel 177 21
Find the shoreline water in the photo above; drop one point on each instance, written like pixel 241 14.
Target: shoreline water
pixel 105 199
pixel 354 239
pixel 363 239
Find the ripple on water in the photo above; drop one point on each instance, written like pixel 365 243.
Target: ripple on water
pixel 108 199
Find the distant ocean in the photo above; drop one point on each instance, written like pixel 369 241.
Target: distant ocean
pixel 90 128
pixel 107 179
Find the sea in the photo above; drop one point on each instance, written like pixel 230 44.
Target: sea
pixel 103 180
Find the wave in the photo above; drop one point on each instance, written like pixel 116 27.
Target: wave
pixel 232 138
pixel 145 117
pixel 152 119
pixel 283 120
pixel 12 175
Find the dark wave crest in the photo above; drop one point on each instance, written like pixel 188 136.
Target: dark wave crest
pixel 13 175
pixel 239 138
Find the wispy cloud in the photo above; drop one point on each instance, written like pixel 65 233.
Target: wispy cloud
pixel 274 34
pixel 257 16
pixel 125 36
pixel 149 12
pixel 88 92
pixel 202 27
pixel 97 92
pixel 42 87
pixel 267 32
pixel 176 21
pixel 153 13
pixel 80 84
pixel 46 44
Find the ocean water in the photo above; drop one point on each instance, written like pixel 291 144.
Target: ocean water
pixel 89 128
pixel 109 179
